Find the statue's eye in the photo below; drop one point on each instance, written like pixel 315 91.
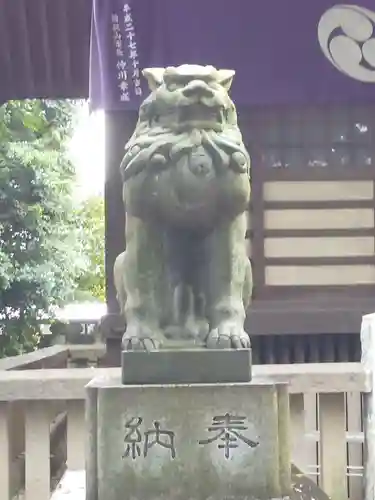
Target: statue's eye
pixel 173 86
pixel 155 119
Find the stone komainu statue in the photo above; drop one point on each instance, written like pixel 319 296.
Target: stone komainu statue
pixel 186 189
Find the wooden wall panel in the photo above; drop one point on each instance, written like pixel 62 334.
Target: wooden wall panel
pixel 319 246
pixel 320 275
pixel 318 190
pixel 340 218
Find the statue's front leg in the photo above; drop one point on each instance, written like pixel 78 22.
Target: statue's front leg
pixel 144 284
pixel 227 275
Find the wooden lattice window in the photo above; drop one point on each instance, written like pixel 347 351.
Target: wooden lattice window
pixel 296 138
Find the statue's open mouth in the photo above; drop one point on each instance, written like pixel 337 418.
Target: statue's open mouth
pixel 212 116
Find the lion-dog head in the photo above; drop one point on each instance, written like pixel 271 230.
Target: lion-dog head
pixel 186 158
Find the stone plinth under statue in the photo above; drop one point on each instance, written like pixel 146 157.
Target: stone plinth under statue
pixel 185 442
pixel 186 366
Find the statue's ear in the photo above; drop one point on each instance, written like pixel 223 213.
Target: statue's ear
pixel 225 77
pixel 154 77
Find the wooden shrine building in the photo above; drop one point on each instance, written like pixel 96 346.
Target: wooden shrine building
pixel 312 230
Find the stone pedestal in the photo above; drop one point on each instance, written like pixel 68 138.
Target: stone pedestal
pixel 185 442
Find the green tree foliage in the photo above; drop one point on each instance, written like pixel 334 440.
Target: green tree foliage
pixel 91 284
pixel 40 252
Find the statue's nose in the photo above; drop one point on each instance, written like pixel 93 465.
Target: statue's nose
pixel 197 88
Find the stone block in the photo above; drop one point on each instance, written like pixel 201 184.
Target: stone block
pixel 186 366
pixel 183 442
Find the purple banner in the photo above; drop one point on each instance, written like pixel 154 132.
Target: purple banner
pixel 283 51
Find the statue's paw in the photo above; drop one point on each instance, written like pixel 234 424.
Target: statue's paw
pixel 140 337
pixel 228 335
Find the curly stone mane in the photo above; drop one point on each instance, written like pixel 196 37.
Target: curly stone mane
pixel 189 107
